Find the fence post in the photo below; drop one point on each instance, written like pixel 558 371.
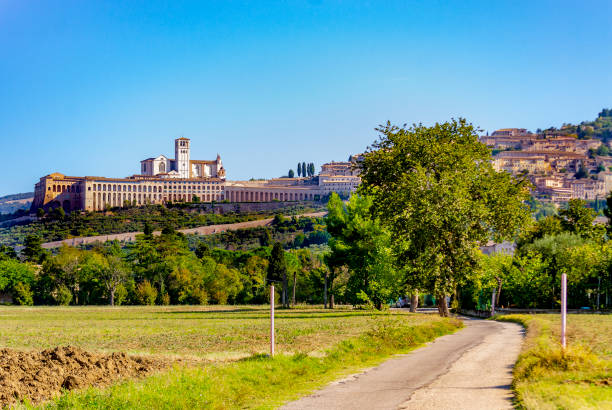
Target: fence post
pixel 563 308
pixel 272 321
pixel 493 303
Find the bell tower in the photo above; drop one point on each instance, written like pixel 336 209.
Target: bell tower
pixel 182 157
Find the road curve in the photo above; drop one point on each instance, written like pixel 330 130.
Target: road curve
pixel 470 369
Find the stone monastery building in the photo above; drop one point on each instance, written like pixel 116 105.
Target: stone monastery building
pixel 182 179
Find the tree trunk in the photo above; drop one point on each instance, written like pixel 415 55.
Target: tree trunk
pixel 499 286
pixel 442 306
pixel 293 297
pixel 414 301
pixel 112 297
pixel 331 301
pixel 445 306
pixel 285 285
pixel 325 292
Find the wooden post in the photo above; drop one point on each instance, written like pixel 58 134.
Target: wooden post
pixel 272 321
pixel 563 308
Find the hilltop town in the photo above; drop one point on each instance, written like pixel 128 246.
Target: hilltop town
pixel 573 162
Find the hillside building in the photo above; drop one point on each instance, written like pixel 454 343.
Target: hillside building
pixel 182 179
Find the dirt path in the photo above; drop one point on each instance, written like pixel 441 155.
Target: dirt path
pixel 471 369
pixel 201 230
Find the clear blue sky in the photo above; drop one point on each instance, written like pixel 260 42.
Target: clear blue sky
pixel 93 87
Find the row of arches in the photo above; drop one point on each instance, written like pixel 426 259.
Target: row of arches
pixel 65 188
pixel 266 196
pixel 103 199
pixel 126 188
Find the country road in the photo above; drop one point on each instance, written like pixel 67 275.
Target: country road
pixel 201 230
pixel 470 369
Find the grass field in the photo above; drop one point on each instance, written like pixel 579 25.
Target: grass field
pixel 546 377
pixel 203 331
pixel 315 346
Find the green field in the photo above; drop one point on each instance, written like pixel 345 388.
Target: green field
pixel 546 377
pixel 203 331
pixel 315 346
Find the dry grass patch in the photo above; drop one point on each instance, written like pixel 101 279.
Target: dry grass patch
pixel 548 377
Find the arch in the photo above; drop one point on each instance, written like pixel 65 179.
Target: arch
pixel 162 167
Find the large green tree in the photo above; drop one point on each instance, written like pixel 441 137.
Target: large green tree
pixel 437 192
pixel 360 243
pixel 579 219
pixel 32 250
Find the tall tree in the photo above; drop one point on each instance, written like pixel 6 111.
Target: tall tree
pixel 32 250
pixel 68 261
pixel 148 231
pixel 114 274
pixel 363 246
pixel 277 269
pixel 579 219
pixel 437 192
pixel 304 169
pixel 299 169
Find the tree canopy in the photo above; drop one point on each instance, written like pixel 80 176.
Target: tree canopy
pixel 437 192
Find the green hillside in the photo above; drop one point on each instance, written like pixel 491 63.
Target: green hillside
pixel 600 128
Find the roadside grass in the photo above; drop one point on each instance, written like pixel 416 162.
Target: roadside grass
pixel 546 377
pixel 209 332
pixel 259 381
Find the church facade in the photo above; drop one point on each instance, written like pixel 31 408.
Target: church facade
pixel 181 179
pixel 182 166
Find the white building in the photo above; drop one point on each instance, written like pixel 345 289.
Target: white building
pixel 182 166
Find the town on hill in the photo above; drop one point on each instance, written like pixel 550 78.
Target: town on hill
pixel 573 162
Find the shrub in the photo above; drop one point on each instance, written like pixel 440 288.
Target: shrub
pixel 22 295
pixel 200 296
pixel 121 294
pixel 146 293
pixel 63 296
pixel 164 299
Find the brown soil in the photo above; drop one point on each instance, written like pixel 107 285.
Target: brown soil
pixel 42 375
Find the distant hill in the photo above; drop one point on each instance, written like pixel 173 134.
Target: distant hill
pixel 15 202
pixel 600 128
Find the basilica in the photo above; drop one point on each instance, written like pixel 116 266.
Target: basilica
pixel 181 179
pixel 182 166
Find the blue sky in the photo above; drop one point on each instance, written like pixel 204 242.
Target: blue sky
pixel 93 87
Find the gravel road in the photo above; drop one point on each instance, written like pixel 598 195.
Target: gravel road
pixel 470 369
